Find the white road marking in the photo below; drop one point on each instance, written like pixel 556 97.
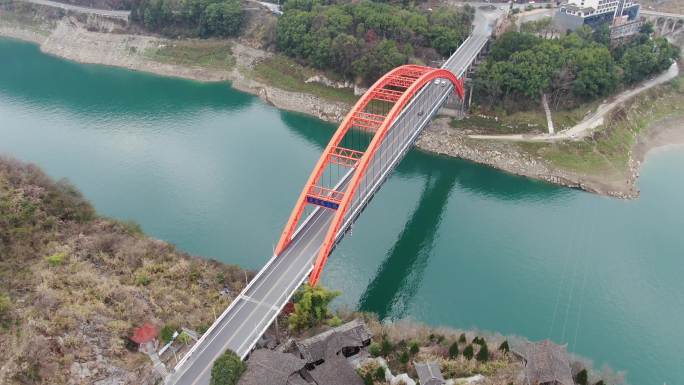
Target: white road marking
pixel 252 313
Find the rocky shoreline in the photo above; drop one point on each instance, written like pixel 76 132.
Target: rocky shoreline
pixel 100 41
pixel 442 139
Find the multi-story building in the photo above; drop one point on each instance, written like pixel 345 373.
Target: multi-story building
pixel 576 13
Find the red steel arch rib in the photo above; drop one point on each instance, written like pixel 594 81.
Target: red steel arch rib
pixel 396 87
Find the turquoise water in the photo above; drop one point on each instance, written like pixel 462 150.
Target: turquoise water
pixel 446 242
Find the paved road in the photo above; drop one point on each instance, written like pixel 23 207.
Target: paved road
pixel 123 15
pixel 585 127
pixel 253 311
pixel 647 12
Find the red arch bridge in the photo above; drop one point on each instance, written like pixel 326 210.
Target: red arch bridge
pixel 371 140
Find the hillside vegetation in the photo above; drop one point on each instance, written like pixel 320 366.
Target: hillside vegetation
pixel 366 39
pixel 577 68
pixel 73 285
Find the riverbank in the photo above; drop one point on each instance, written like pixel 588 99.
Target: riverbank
pixel 606 163
pixel 98 40
pixel 256 71
pixel 74 286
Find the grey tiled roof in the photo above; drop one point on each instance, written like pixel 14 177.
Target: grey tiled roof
pixel 336 370
pixel 351 334
pixel 429 373
pixel 268 367
pixel 547 362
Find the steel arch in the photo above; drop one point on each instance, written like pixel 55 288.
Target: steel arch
pixel 398 87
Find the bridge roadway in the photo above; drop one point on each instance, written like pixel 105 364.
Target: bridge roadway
pixel 242 324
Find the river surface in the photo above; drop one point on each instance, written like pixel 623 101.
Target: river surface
pixel 446 242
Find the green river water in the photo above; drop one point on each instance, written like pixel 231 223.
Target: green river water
pixel 446 242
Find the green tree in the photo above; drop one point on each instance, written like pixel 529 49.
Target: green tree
pixel 227 369
pixel 222 19
pixel 504 347
pixel 595 72
pixel 166 333
pixel 453 350
pixel 368 379
pixel 601 34
pixel 647 28
pixel 386 346
pixel 483 353
pixel 462 338
pixel 582 378
pixel 468 352
pixel 511 42
pixel 414 348
pixel 381 58
pixel 404 358
pixel 379 374
pixel 599 382
pixel 444 39
pixel 374 349
pixel 311 306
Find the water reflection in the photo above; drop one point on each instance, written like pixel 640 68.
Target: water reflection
pixel 388 294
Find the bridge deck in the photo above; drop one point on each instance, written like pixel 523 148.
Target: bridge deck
pixel 246 319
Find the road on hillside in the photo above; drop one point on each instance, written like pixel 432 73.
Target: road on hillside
pixel 123 15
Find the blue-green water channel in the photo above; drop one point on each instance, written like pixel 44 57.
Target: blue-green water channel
pixel 446 242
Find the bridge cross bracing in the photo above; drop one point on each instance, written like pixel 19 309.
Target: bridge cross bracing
pixel 350 171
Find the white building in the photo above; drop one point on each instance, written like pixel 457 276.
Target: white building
pixel 576 13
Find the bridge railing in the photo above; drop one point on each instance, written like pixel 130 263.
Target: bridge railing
pixel 403 133
pixel 408 125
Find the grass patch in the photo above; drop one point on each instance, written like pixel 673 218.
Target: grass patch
pixel 212 54
pixel 23 16
pixel 56 259
pixel 286 74
pixel 492 126
pixel 564 119
pixel 608 149
pixel 502 123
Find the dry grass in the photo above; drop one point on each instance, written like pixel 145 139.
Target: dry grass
pixel 72 283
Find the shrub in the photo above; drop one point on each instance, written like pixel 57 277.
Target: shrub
pixel 335 321
pixel 478 340
pixel 227 369
pixel 379 374
pixel 600 382
pixel 468 352
pixel 202 329
pixel 184 338
pixel 132 228
pixel 462 338
pixel 414 349
pixel 453 350
pixel 483 354
pixel 368 379
pixel 56 259
pixel 142 280
pixel 582 377
pixel 374 349
pixel 166 333
pixel 404 358
pixel 386 347
pixel 5 305
pixel 504 347
pixel 311 306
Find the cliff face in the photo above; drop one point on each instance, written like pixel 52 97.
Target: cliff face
pixel 73 285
